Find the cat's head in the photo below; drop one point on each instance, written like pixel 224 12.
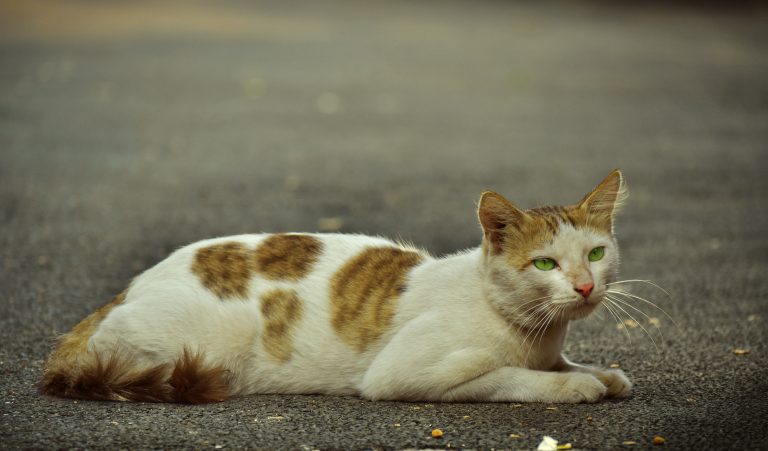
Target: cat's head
pixel 551 262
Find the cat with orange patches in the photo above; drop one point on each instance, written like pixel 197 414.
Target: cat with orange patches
pixel 358 315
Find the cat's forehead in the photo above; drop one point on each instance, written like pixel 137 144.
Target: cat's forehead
pixel 550 229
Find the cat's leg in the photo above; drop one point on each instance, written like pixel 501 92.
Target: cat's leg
pixel 619 386
pixel 403 371
pixel 521 384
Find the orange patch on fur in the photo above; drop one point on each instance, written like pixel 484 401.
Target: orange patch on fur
pixel 75 343
pixel 364 293
pixel 224 269
pixel 282 310
pixel 539 228
pixel 287 256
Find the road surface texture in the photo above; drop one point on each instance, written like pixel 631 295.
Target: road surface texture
pixel 128 129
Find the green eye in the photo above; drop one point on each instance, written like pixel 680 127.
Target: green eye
pixel 596 254
pixel 544 264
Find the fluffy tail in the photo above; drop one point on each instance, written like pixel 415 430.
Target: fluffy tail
pixel 117 377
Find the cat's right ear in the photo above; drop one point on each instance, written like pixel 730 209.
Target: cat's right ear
pixel 497 215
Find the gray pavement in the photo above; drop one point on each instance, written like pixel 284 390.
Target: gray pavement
pixel 128 129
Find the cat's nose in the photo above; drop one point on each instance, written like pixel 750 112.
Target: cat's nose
pixel 585 289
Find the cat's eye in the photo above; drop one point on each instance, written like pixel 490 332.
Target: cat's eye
pixel 545 264
pixel 596 254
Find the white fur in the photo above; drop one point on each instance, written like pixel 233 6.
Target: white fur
pixel 455 335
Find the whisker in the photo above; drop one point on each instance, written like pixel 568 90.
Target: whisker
pixel 613 315
pixel 541 329
pixel 517 310
pixel 616 315
pixel 634 296
pixel 531 312
pixel 642 281
pixel 616 299
pixel 636 322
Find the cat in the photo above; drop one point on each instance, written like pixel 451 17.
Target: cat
pixel 357 315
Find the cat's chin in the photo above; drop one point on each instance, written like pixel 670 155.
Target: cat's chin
pixel 581 310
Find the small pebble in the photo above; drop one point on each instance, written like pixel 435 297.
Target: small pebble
pixel 630 323
pixel 659 440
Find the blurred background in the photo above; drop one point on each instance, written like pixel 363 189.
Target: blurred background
pixel 130 128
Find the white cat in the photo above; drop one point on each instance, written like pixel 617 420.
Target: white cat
pixel 358 315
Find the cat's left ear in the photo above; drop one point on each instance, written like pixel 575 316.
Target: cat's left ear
pixel 602 204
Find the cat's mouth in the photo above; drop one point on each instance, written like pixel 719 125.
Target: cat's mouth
pixel 580 307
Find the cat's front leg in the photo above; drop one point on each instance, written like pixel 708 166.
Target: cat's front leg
pixel 617 383
pixel 521 384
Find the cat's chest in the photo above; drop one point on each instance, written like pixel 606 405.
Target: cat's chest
pixel 537 350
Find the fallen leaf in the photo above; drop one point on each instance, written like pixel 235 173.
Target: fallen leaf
pixel 630 323
pixel 276 418
pixel 615 365
pixel 629 442
pixel 437 433
pixel 653 321
pixel 659 440
pixel 741 351
pixel 565 446
pixel 515 436
pixel 551 408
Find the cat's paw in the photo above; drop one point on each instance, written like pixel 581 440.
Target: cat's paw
pixel 580 387
pixel 619 386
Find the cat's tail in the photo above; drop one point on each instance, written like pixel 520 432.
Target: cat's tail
pixel 118 376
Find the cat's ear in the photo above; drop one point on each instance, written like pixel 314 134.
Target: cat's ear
pixel 602 204
pixel 497 215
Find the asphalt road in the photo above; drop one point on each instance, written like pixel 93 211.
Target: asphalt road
pixel 128 129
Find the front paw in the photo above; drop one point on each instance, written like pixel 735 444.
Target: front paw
pixel 580 387
pixel 619 386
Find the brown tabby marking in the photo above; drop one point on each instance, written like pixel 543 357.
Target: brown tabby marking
pixel 364 293
pixel 539 229
pixel 282 310
pixel 224 269
pixel 284 256
pixel 75 343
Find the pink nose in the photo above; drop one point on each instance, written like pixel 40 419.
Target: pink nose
pixel 585 289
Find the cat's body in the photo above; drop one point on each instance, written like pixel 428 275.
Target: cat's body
pixel 358 315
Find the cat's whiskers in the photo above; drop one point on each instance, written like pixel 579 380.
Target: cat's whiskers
pixel 629 296
pixel 541 329
pixel 648 282
pixel 624 302
pixel 615 314
pixel 615 304
pixel 531 311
